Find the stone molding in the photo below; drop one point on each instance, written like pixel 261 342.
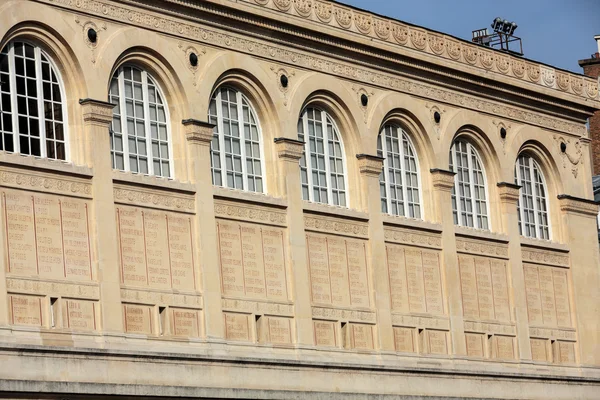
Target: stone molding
pixel 421 321
pixel 198 132
pixel 442 179
pixel 289 149
pixel 553 333
pixel 490 327
pixel 339 314
pixel 398 33
pixel 412 238
pixel 544 257
pixel 319 223
pixel 153 198
pixel 257 307
pixel 509 192
pixel 79 290
pixel 250 213
pixel 370 165
pixel 577 205
pixel 185 300
pixel 172 26
pixel 97 112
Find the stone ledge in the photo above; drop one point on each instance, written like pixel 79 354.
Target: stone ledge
pixel 413 223
pixel 242 196
pixel 44 164
pixel 152 182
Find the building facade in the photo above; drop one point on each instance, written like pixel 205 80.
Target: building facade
pixel 288 199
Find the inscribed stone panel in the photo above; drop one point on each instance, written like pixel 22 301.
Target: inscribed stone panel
pixel 253 262
pixel 539 351
pixel 561 294
pixel 547 295
pixel 437 341
pixel 468 284
pixel 397 276
pixel 230 247
pixel 130 223
pixel 475 344
pixel 361 336
pixel 416 284
pixel 357 273
pixel 274 257
pixel 76 239
pixel 566 352
pixel 432 280
pixel 138 319
pixel 319 269
pixel 46 219
pixel 484 288
pixel 338 271
pixel 157 249
pixel 325 333
pixel 25 310
pixel 79 314
pixel 500 290
pixel 504 347
pixel 181 252
pixel 279 330
pixel 404 340
pixel 185 323
pixel 532 291
pixel 237 327
pixel 20 229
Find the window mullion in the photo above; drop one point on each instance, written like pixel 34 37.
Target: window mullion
pixel 457 195
pixel 242 133
pixel 471 172
pixel 327 157
pixel 40 102
pixel 13 97
pixel 386 172
pixel 147 136
pixel 307 157
pixel 403 172
pixel 521 197
pixel 124 119
pixel 535 199
pixel 221 139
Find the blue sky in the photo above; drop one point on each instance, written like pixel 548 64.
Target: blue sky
pixel 555 32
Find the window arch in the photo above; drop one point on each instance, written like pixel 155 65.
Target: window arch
pixel 469 194
pixel 533 203
pixel 399 181
pixel 32 107
pixel 322 171
pixel 236 148
pixel 139 134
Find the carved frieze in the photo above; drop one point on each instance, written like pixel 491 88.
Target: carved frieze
pixel 250 213
pixel 487 327
pixel 335 226
pixel 153 198
pixel 344 315
pixel 45 182
pixel 413 237
pixel 479 247
pixel 161 298
pixel 426 322
pixel 78 290
pixel 548 333
pixel 257 307
pixel 344 18
pixel 544 257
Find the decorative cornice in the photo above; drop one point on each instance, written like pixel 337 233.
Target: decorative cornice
pixel 280 54
pixel 370 165
pixel 577 205
pixel 44 182
pixel 479 247
pixel 397 33
pixel 509 192
pixel 198 132
pixel 442 179
pixel 289 149
pixel 97 111
pixel 544 257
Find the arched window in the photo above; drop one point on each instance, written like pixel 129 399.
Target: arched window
pixel 322 163
pixel 139 134
pixel 31 103
pixel 399 180
pixel 533 206
pixel 236 154
pixel 469 194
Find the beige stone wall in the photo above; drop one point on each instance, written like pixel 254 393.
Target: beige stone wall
pixel 245 288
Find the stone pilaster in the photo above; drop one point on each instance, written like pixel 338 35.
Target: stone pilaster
pixel 579 220
pixel 509 199
pixel 443 182
pixel 97 116
pixel 370 168
pixel 289 152
pixel 199 135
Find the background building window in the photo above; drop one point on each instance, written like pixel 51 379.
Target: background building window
pixel 533 206
pixel 31 103
pixel 322 163
pixel 469 194
pixel 139 134
pixel 236 159
pixel 399 179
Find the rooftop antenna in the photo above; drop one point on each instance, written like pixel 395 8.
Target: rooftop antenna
pixel 502 39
